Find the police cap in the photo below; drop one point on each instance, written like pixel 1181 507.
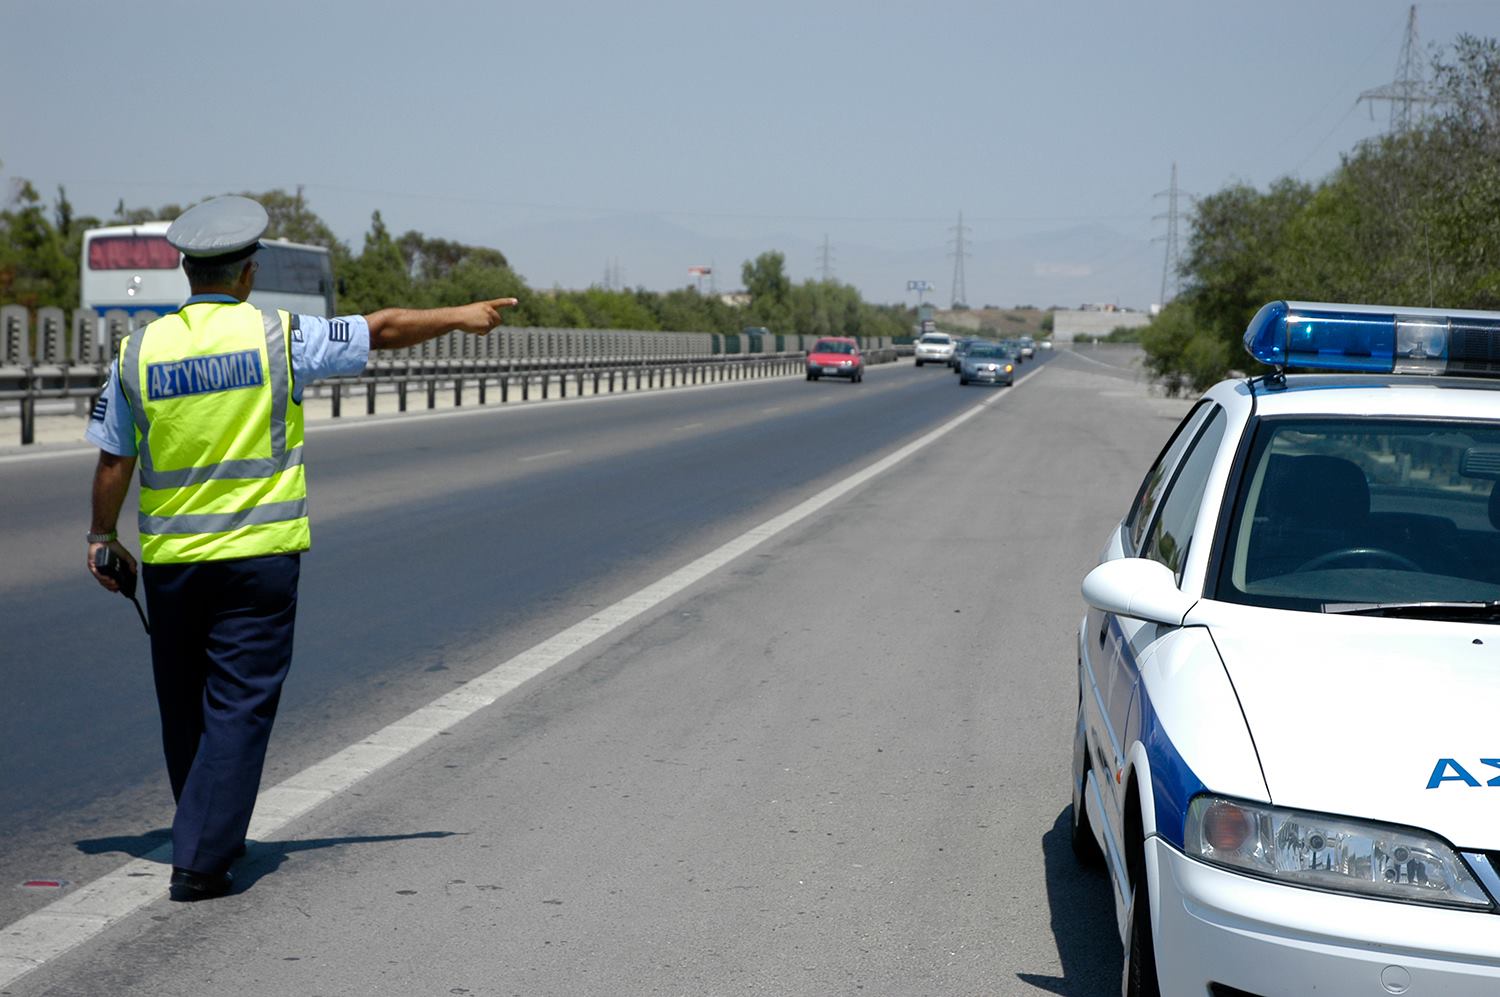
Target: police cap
pixel 220 228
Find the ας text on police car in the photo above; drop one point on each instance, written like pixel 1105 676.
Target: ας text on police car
pixel 1286 752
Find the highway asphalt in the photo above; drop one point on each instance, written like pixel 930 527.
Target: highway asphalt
pixel 836 764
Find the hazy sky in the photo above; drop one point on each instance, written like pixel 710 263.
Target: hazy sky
pixel 658 135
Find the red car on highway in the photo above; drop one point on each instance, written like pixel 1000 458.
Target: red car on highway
pixel 835 356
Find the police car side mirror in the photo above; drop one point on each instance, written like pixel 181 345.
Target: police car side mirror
pixel 1138 588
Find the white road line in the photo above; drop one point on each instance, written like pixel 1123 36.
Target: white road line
pixel 72 451
pixel 544 456
pixel 71 920
pixel 1111 366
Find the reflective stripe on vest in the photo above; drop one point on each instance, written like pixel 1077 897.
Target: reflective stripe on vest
pixel 195 530
pixel 224 522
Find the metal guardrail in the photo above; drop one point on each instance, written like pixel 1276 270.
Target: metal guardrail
pixel 62 359
pixel 524 383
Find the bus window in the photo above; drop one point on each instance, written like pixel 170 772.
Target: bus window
pixel 299 271
pixel 133 252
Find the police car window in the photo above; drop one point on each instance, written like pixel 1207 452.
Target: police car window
pixel 1149 494
pixel 1334 513
pixel 1171 534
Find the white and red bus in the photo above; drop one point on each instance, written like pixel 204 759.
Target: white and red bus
pixel 132 268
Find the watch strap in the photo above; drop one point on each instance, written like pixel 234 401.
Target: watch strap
pixel 103 538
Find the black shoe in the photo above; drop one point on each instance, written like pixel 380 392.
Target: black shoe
pixel 188 886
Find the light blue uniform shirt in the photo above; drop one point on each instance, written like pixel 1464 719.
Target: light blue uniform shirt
pixel 321 347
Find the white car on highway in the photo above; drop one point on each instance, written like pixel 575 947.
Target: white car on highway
pixel 934 347
pixel 1287 752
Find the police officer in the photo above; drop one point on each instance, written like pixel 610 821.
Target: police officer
pixel 208 403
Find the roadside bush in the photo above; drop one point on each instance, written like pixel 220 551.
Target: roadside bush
pixel 1411 218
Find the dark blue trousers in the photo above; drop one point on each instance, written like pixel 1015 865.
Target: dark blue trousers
pixel 221 644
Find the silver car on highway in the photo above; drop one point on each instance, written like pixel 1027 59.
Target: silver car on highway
pixel 987 363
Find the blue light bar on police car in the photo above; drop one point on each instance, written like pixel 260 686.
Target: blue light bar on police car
pixel 1374 339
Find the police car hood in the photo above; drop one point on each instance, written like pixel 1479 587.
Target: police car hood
pixel 1391 720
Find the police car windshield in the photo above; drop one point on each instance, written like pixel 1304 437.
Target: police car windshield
pixel 1380 517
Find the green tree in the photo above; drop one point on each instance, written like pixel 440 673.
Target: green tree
pixel 1176 348
pixel 686 310
pixel 1408 219
pixel 1236 237
pixel 293 220
pixel 377 278
pixel 35 267
pixel 766 280
pixel 433 259
pixel 604 309
pixel 472 280
pixel 137 216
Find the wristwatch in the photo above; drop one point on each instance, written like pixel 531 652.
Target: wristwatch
pixel 103 538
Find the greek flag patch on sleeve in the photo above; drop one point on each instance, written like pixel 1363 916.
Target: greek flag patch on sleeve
pixel 338 331
pixel 202 375
pixel 101 408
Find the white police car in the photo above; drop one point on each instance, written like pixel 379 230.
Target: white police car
pixel 1288 740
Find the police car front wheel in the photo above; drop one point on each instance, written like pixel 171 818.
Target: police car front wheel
pixel 1140 952
pixel 1140 949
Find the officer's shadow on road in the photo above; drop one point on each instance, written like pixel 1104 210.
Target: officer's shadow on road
pixel 1083 922
pixel 261 857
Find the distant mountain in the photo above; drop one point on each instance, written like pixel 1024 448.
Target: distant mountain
pixel 1066 267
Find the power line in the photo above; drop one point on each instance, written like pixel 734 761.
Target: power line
pixel 1171 264
pixel 614 279
pixel 600 209
pixel 1408 91
pixel 959 253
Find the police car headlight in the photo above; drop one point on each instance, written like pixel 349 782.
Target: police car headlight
pixel 1330 853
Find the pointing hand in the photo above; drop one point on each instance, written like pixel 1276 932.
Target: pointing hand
pixel 482 316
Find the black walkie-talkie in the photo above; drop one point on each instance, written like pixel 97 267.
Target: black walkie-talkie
pixel 110 565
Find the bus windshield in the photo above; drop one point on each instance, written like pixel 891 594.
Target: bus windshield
pixel 133 252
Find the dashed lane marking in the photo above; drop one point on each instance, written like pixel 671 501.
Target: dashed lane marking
pixel 545 456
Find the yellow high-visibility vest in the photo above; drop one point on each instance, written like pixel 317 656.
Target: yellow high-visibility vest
pixel 218 436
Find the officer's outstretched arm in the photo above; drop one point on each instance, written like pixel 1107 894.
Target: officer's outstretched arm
pixel 393 328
